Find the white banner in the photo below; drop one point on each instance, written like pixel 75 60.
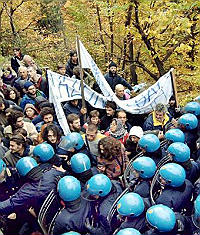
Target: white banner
pixel 62 88
pixel 145 102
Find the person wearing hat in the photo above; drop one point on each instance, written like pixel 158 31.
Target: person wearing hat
pixel 131 144
pixel 113 78
pixel 31 94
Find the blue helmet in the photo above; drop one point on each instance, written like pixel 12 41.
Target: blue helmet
pixel 72 140
pixel 71 233
pixel 69 188
pixel 99 185
pixel 80 162
pixel 175 135
pixel 2 165
pixel 128 231
pixel 196 213
pixel 149 142
pixel 192 107
pixel 173 174
pixel 25 165
pixel 189 121
pixel 161 217
pixel 145 166
pixel 44 151
pixel 179 151
pixel 130 204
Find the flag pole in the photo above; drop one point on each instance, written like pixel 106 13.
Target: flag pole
pixel 173 78
pixel 81 75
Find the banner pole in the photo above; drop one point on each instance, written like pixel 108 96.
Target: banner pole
pixel 173 78
pixel 81 75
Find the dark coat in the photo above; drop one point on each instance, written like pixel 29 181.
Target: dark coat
pixel 176 198
pixel 69 68
pixel 32 194
pixel 102 207
pixel 115 79
pixel 73 218
pixel 15 62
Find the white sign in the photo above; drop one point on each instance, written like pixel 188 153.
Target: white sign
pixel 62 88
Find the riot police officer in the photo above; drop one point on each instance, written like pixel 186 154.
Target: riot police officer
pixel 46 155
pixel 81 167
pixel 76 209
pixel 162 219
pixel 33 193
pixel 180 153
pixel 102 192
pixel 176 190
pixel 188 124
pixel 10 182
pixel 150 146
pixel 174 135
pixel 73 143
pixel 131 209
pixel 144 169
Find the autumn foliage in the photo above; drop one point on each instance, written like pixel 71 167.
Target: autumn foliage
pixel 146 38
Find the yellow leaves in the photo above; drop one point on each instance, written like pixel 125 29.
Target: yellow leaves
pixel 183 49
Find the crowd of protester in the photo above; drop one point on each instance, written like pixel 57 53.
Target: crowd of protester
pixel 114 173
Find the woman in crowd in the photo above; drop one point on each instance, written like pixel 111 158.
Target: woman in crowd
pixel 117 131
pixel 13 95
pixel 112 160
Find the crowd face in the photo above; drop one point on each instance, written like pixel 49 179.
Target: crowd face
pixel 74 59
pixel 17 53
pixel 120 92
pixel 113 69
pixel 32 72
pixel 23 72
pixel 30 112
pixel 159 116
pixel 48 118
pixel 113 126
pixel 14 147
pixel 20 122
pixel 172 103
pixel 76 125
pixel 134 139
pixel 2 107
pixel 32 90
pixel 110 111
pixel 95 120
pixel 52 138
pixel 62 71
pixel 122 117
pixel 74 102
pixel 91 135
pixel 12 95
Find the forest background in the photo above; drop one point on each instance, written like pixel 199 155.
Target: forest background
pixel 144 37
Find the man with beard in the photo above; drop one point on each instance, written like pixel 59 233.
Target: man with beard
pixel 113 78
pixel 18 149
pixel 47 115
pixel 16 121
pixel 31 94
pixel 74 122
pixel 108 117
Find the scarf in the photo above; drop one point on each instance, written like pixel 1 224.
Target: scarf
pixel 120 131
